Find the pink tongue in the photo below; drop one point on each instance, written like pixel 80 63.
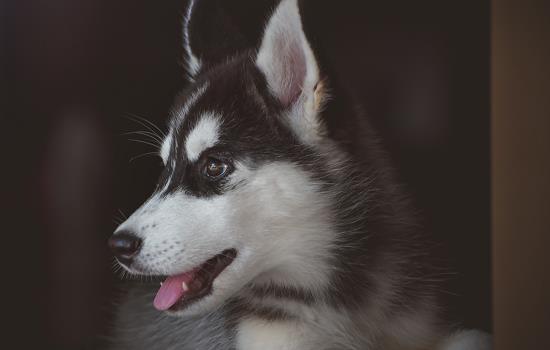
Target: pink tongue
pixel 171 291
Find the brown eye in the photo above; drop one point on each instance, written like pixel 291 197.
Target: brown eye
pixel 215 168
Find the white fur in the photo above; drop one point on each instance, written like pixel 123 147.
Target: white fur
pixel 180 232
pixel 193 62
pixel 204 135
pixel 321 326
pixel 278 200
pixel 468 340
pixel 254 334
pixel 165 148
pixel 287 209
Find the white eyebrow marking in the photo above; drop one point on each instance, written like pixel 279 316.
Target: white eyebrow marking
pixel 204 135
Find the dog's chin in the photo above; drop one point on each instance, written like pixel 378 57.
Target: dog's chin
pixel 199 307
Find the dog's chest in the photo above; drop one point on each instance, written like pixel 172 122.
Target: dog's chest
pixel 255 333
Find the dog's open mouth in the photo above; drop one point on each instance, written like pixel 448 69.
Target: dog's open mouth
pixel 178 291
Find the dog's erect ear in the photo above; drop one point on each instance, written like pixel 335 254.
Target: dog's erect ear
pixel 216 30
pixel 285 56
pixel 209 35
pixel 286 59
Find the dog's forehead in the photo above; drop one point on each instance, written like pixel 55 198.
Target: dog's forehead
pixel 194 127
pixel 225 107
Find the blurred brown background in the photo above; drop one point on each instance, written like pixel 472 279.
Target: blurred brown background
pixel 520 166
pixel 75 69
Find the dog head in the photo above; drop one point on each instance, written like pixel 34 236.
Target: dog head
pixel 241 198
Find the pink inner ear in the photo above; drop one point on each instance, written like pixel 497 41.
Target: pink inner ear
pixel 286 70
pixel 294 70
pixel 284 54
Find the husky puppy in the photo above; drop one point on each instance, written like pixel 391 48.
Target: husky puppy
pixel 276 223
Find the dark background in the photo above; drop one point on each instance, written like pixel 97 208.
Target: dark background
pixel 74 71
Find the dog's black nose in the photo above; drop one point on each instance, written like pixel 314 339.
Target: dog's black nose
pixel 125 246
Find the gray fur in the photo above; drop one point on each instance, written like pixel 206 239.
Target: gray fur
pixel 140 327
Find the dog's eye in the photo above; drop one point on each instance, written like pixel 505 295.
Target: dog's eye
pixel 215 168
